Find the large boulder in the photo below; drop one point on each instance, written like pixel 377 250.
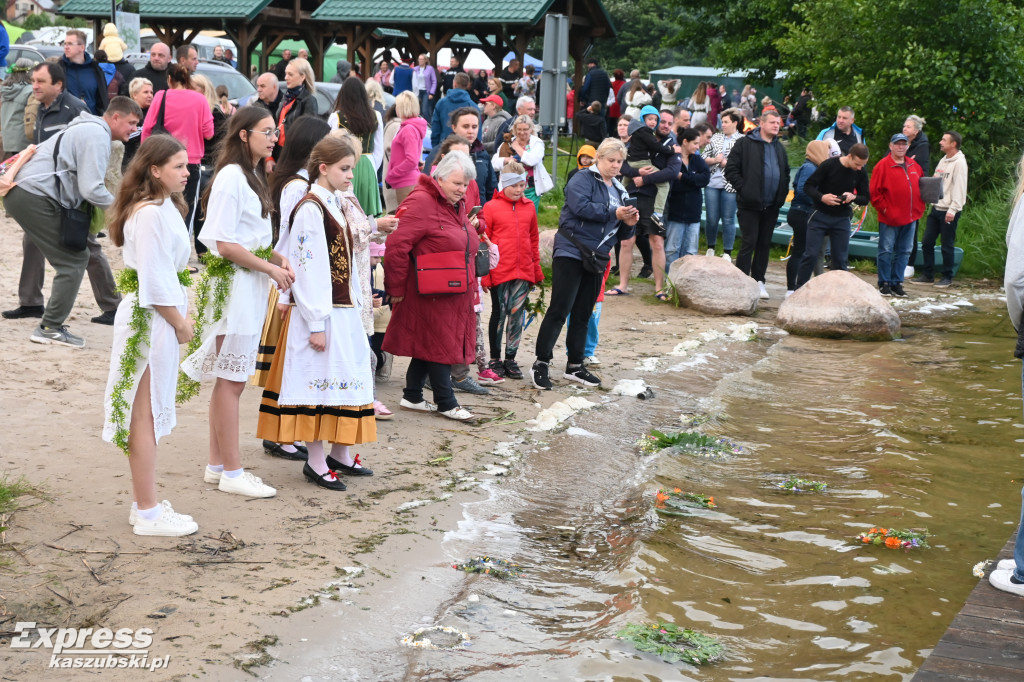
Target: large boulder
pixel 839 305
pixel 713 285
pixel 547 246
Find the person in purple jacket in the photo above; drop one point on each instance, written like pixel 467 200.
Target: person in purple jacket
pixel 424 85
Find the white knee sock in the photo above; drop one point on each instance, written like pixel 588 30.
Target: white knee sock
pixel 317 459
pixel 341 454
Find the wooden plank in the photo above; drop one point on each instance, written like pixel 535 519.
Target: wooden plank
pixel 992 613
pixel 995 649
pixel 965 671
pixel 989 625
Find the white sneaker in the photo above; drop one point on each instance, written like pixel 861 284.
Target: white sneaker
pixel 726 257
pixel 134 513
pixel 168 524
pixel 246 484
pixel 1005 565
pixel 789 292
pixel 711 253
pixel 908 272
pixel 1000 579
pixel 591 360
pixel 417 407
pixel 764 291
pixel 211 476
pixel 457 413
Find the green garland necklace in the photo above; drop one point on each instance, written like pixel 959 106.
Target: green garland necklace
pixel 220 270
pixel 139 324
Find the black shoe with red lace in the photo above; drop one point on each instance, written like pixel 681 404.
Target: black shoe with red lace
pixel 329 480
pixel 335 465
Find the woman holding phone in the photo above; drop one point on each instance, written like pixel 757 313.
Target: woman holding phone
pixel 596 215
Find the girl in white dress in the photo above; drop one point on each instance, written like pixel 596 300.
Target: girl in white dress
pixel 320 385
pixel 147 221
pixel 232 297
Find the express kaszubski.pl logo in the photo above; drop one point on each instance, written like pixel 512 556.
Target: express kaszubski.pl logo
pixel 91 647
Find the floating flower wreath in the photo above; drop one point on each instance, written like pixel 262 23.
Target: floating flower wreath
pixel 677 503
pixel 450 638
pixel 220 270
pixel 498 568
pixel 128 283
pixel 896 539
pixel 692 442
pixel 796 484
pixel 672 643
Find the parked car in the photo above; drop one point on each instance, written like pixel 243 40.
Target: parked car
pixel 219 73
pixel 19 51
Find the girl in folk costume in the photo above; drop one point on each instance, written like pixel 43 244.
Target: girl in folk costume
pixel 354 113
pixel 321 384
pixel 289 184
pixel 147 220
pixel 232 294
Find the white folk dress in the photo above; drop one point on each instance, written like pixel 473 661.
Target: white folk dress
pixel 340 375
pixel 156 246
pixel 233 215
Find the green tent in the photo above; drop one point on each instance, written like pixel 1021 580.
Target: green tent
pixel 335 53
pixel 13 32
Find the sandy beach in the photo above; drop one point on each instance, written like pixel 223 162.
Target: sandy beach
pixel 215 600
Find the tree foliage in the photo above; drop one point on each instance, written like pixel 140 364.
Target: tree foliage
pixel 960 65
pixel 644 29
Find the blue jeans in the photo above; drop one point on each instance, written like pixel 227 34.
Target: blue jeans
pixel 894 243
pixel 426 105
pixel 1018 544
pixel 592 334
pixel 681 239
pixel 720 205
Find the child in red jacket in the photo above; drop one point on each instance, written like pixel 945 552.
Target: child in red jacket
pixel 511 224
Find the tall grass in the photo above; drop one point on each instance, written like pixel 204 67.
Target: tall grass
pixel 981 232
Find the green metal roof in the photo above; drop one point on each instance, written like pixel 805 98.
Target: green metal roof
pixel 178 9
pixel 461 39
pixel 390 12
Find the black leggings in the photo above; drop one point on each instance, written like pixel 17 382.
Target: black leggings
pixel 573 290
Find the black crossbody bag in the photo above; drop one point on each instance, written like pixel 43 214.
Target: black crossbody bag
pixel 74 222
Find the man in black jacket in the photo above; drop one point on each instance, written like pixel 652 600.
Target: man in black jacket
pixel 83 77
pixel 596 85
pixel 758 168
pixel 448 82
pixel 156 69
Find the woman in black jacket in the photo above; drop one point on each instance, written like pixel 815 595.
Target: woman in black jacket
pixel 297 100
pixel 591 221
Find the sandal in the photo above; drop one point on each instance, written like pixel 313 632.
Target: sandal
pixel 615 291
pixel 381 412
pixel 661 296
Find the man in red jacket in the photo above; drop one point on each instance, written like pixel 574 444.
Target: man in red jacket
pixel 896 195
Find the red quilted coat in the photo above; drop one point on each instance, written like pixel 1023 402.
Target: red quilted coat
pixel 433 328
pixel 512 225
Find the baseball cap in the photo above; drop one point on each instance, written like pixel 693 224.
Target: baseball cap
pixel 491 98
pixel 899 137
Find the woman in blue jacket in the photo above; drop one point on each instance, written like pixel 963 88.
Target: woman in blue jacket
pixel 595 216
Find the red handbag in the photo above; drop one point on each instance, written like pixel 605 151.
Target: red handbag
pixel 440 274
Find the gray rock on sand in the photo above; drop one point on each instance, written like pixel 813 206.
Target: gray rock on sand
pixel 713 285
pixel 547 246
pixel 839 305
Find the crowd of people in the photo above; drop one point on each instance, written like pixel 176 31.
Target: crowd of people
pixel 332 246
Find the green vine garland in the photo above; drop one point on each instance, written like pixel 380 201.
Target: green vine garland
pixel 220 270
pixel 128 283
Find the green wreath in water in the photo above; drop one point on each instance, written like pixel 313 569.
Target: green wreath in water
pixel 672 643
pixel 220 270
pixel 139 324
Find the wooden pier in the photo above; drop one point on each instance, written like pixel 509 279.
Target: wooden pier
pixel 985 642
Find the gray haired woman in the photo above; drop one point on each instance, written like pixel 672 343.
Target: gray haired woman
pixel 436 328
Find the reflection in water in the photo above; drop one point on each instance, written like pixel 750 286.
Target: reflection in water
pixel 917 433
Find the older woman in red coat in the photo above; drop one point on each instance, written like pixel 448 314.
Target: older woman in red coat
pixel 438 330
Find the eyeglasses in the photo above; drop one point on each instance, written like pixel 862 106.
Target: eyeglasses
pixel 270 132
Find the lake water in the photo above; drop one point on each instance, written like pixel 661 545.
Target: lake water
pixel 921 433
